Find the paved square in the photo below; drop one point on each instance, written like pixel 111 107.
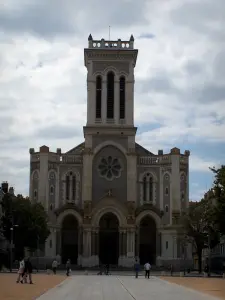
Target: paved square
pixel 93 287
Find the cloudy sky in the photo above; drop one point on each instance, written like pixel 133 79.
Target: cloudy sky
pixel 180 77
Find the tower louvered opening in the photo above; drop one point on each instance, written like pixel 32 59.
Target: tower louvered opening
pixel 110 95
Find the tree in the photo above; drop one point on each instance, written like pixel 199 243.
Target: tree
pixel 29 222
pixel 199 225
pixel 219 195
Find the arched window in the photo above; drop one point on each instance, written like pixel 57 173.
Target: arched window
pixel 122 97
pixel 166 191
pixel 71 187
pixel 147 188
pixel 144 190
pixel 150 189
pixel 52 190
pixel 74 187
pixel 67 187
pixel 98 113
pixel 110 95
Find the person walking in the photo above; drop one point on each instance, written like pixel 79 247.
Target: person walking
pixel 28 270
pixel 21 271
pixel 68 267
pixel 147 268
pixel 54 266
pixel 136 268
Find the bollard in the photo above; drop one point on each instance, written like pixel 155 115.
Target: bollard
pixel 181 274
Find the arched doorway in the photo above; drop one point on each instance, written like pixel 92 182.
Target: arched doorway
pixel 69 235
pixel 147 236
pixel 109 239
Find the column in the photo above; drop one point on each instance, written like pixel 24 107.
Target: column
pixel 124 244
pixel 97 243
pixel 58 242
pixel 93 241
pixel 104 100
pixel 80 241
pixel 120 243
pixel 117 102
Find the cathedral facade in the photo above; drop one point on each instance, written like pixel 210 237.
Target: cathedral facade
pixel 110 200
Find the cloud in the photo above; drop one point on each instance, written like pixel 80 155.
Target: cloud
pixel 179 77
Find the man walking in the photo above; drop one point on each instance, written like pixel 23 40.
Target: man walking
pixel 147 268
pixel 68 267
pixel 54 266
pixel 28 270
pixel 136 268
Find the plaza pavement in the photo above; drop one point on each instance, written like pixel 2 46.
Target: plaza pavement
pixel 94 287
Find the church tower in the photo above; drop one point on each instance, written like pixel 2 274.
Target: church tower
pixel 110 85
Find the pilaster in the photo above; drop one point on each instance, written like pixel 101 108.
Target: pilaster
pixel 161 192
pixel 43 178
pixel 131 176
pixel 87 175
pixel 175 180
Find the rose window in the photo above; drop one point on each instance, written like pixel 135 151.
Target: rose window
pixel 109 168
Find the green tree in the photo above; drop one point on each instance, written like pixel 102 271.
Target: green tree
pixel 29 222
pixel 199 225
pixel 219 195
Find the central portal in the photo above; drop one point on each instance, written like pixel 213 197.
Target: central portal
pixel 109 239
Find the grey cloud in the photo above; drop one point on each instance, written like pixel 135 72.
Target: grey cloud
pixel 58 131
pixel 146 36
pixel 53 18
pixel 201 16
pixel 193 67
pixel 161 83
pixel 219 65
pixel 210 92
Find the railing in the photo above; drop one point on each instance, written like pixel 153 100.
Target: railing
pixel 70 159
pixel 151 160
pixel 102 44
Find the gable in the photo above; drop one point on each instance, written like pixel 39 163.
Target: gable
pixel 142 151
pixel 77 150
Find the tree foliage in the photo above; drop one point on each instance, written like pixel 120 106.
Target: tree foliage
pixel 200 226
pixel 28 220
pixel 219 195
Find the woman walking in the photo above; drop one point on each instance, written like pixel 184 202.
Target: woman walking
pixel 21 271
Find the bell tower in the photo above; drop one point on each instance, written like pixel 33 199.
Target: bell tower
pixel 110 85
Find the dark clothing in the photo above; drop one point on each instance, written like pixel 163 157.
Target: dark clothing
pixel 68 267
pixel 136 268
pixel 28 267
pixel 54 270
pixel 147 273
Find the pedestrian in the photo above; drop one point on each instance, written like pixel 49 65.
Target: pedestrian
pixel 21 270
pixel 107 269
pixel 54 266
pixel 28 271
pixel 136 268
pixel 147 268
pixel 68 267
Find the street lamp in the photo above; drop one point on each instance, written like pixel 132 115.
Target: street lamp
pixel 209 254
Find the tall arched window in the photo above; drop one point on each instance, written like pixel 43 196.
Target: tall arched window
pixel 67 187
pixel 144 189
pixel 71 187
pixel 122 97
pixel 147 188
pixel 74 187
pixel 98 113
pixel 110 95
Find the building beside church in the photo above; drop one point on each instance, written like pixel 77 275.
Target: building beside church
pixel 109 199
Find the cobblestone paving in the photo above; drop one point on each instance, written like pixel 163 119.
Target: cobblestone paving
pixel 120 287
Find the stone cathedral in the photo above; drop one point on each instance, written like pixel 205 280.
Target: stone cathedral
pixel 110 200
